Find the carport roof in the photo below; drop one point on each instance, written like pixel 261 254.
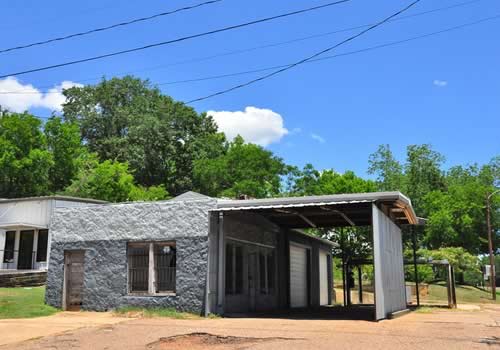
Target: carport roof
pixel 353 209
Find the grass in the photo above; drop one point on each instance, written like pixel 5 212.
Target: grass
pixel 131 311
pixel 465 294
pixel 24 303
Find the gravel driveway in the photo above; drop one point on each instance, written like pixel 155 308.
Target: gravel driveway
pixel 440 329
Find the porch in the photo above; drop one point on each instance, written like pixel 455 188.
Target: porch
pixel 23 247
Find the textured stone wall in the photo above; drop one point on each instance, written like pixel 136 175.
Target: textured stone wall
pixel 104 231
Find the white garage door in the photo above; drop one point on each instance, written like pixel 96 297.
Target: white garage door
pixel 298 276
pixel 323 278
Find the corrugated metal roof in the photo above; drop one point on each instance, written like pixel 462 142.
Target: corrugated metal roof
pixel 394 199
pixel 291 205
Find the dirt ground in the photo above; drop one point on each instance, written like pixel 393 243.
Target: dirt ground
pixel 439 329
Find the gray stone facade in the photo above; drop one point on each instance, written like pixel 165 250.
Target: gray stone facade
pixel 103 233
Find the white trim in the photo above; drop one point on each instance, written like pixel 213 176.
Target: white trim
pixel 250 242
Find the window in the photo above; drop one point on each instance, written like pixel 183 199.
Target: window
pixel 8 254
pixel 151 267
pixel 266 271
pixel 234 269
pixel 41 247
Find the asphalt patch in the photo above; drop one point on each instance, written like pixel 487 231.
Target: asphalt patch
pixel 195 341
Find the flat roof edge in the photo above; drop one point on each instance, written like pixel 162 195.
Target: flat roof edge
pixel 55 197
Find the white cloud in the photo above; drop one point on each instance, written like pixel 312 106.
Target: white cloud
pixel 440 83
pixel 26 96
pixel 318 138
pixel 255 125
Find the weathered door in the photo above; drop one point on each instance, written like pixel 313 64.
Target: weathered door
pixel 74 267
pixel 25 257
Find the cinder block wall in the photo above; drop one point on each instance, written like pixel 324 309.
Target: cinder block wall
pixel 103 233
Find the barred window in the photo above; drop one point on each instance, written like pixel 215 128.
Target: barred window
pixel 151 267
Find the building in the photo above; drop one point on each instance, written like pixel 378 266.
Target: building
pixel 24 235
pixel 206 255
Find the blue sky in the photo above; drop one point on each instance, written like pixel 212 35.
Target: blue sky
pixel 442 90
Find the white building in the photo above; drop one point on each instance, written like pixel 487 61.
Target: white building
pixel 24 235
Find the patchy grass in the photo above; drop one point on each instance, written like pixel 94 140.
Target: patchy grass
pixel 131 311
pixel 425 309
pixel 24 303
pixel 465 294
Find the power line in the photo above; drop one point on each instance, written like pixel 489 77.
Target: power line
pixel 258 70
pixel 275 44
pixel 102 29
pixel 239 86
pixel 371 48
pixel 280 43
pixel 224 29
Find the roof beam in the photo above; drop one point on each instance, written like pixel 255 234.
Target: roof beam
pixel 345 217
pixel 303 217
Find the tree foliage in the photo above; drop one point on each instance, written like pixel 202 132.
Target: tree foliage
pixel 310 181
pixel 127 120
pixel 25 162
pixel 63 142
pixel 453 201
pixel 243 169
pixel 110 181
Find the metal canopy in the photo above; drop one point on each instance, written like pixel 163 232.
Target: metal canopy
pixel 325 211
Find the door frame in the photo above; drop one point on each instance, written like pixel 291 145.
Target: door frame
pixel 66 275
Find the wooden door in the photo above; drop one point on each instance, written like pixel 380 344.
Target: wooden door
pixel 74 267
pixel 25 257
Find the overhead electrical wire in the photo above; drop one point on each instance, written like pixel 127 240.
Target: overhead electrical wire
pixel 276 44
pixel 235 52
pixel 215 31
pixel 102 29
pixel 319 53
pixel 258 70
pixel 371 48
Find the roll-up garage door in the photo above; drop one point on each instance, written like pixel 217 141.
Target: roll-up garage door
pixel 323 278
pixel 298 276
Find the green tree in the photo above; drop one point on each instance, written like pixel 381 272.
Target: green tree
pixel 423 174
pixel 110 181
pixel 464 263
pixel 457 215
pixel 244 168
pixel 128 120
pixel 313 182
pixel 24 160
pixel 63 141
pixel 388 170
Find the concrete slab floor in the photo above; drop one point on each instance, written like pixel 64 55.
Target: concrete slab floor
pixel 439 329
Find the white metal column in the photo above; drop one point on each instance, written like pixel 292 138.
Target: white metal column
pixel 2 247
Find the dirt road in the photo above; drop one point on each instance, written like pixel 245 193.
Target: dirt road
pixel 441 329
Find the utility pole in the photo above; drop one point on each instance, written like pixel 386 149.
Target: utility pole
pixel 490 246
